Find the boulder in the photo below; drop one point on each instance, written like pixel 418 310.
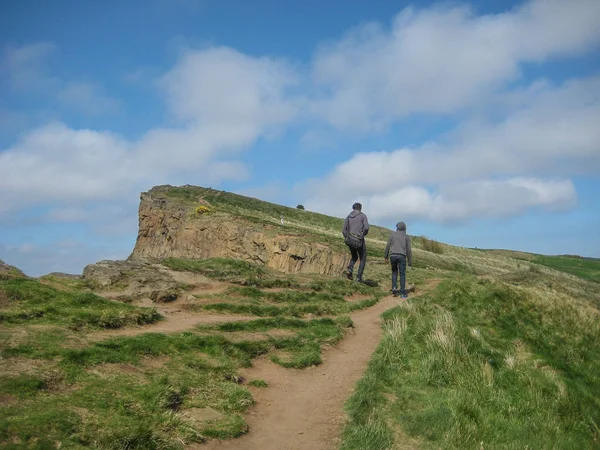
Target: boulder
pixel 133 276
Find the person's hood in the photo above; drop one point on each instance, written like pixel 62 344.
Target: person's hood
pixel 401 226
pixel 355 213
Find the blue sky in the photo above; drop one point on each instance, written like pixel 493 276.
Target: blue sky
pixel 477 123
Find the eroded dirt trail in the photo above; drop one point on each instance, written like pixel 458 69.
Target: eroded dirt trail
pixel 172 323
pixel 176 316
pixel 303 409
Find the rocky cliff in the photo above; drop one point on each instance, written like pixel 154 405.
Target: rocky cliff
pixel 192 227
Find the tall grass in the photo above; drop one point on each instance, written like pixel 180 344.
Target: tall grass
pixel 430 245
pixel 480 365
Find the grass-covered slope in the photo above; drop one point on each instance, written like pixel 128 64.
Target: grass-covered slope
pixel 503 354
pixel 586 268
pixel 27 301
pixel 485 362
pixel 62 386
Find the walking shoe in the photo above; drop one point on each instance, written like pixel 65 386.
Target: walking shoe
pixel 348 274
pixel 404 296
pixel 395 293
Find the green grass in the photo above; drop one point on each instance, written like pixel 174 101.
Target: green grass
pixel 317 297
pixel 231 270
pixel 303 349
pixel 105 395
pixel 481 364
pixel 288 295
pixel 258 383
pixel 66 282
pixel 126 404
pixel 294 309
pixel 29 301
pixel 586 268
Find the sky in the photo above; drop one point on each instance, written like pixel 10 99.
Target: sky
pixel 476 123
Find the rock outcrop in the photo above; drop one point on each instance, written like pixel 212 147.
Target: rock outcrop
pixel 137 276
pixel 168 228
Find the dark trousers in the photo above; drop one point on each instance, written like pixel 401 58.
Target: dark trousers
pixel 356 254
pixel 398 265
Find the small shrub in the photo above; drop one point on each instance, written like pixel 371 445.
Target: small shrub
pixel 431 245
pixel 300 207
pixel 202 210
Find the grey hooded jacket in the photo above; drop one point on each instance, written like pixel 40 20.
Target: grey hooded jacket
pixel 356 223
pixel 399 243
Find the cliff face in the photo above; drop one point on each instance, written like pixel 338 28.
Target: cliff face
pixel 169 228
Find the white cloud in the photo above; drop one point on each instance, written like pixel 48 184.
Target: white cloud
pixel 58 164
pixel 482 169
pixel 222 101
pixel 88 98
pixel 443 59
pixel 458 202
pixel 65 256
pixel 221 85
pixel 439 60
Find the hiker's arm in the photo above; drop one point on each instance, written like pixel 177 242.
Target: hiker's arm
pixel 387 248
pixel 345 227
pixel 365 225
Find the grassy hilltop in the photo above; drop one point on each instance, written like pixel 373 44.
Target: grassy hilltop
pixel 500 351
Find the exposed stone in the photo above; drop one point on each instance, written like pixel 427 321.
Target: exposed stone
pixel 129 276
pixel 167 229
pixel 164 296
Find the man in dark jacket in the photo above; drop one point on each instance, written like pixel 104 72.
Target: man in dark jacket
pixel 356 226
pixel 399 252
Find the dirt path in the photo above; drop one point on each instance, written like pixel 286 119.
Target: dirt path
pixel 303 409
pixel 173 323
pixel 176 317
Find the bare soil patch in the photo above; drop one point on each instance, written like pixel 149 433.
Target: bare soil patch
pixel 107 370
pixel 4 302
pixel 155 362
pixel 198 416
pixel 10 367
pixel 237 336
pixel 303 409
pixel 173 323
pixel 7 399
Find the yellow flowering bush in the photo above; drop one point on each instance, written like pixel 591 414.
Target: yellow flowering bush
pixel 200 210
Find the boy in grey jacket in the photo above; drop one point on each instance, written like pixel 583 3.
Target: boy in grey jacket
pixel 399 252
pixel 356 224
